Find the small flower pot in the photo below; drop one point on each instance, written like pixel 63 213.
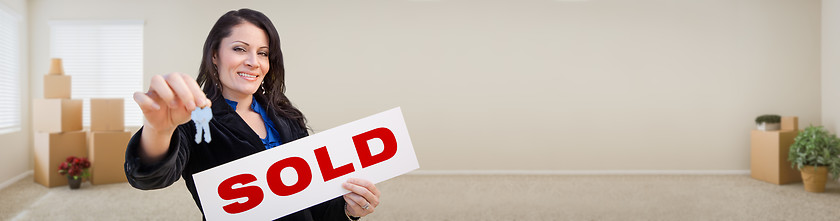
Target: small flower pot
pixel 814 180
pixel 764 126
pixel 74 183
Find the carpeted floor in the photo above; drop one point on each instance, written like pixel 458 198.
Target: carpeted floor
pixel 479 197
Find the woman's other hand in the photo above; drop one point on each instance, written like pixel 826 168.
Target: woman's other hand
pixel 362 199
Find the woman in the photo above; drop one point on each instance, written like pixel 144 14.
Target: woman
pixel 242 75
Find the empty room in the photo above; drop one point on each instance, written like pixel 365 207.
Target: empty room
pixel 420 110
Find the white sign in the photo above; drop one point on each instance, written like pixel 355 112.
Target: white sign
pixel 297 175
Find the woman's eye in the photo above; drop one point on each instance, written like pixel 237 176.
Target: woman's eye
pixel 238 49
pixel 263 54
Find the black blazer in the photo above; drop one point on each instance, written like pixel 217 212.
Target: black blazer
pixel 232 139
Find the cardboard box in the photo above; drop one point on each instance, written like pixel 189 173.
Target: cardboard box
pixel 107 155
pixel 51 149
pixel 56 115
pixel 57 86
pixel 55 67
pixel 790 123
pixel 769 154
pixel 107 114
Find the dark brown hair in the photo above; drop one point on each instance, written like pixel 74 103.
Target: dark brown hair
pixel 274 82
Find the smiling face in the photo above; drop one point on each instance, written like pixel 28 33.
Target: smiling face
pixel 242 61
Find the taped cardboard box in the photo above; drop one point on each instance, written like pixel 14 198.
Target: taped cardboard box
pixel 790 123
pixel 107 154
pixel 56 115
pixel 57 86
pixel 768 156
pixel 107 114
pixel 51 149
pixel 56 68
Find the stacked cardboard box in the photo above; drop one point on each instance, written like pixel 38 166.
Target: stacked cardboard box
pixel 107 140
pixel 769 153
pixel 57 125
pixel 51 149
pixel 56 84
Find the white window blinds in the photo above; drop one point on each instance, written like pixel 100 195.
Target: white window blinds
pixel 105 59
pixel 9 71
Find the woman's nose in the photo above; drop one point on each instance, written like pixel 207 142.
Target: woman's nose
pixel 251 61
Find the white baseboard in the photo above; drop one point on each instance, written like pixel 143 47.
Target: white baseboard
pixel 15 179
pixel 580 172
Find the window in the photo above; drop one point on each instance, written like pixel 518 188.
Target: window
pixel 105 59
pixel 9 71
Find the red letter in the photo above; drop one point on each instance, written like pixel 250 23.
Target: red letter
pixel 362 148
pixel 254 193
pixel 327 170
pixel 275 183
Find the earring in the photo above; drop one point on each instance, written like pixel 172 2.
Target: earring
pixel 261 86
pixel 215 74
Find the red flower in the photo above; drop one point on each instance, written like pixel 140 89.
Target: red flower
pixel 74 166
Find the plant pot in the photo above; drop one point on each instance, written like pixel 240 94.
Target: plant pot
pixel 814 180
pixel 76 183
pixel 764 126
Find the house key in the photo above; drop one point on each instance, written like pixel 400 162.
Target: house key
pixel 201 117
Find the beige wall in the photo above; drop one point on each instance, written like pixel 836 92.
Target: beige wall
pixel 518 85
pixel 14 147
pixel 830 67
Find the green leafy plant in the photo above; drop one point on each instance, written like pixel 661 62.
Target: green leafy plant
pixel 768 118
pixel 815 146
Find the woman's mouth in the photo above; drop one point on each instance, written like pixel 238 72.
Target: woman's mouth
pixel 246 76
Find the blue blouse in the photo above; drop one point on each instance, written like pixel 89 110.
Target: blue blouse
pixel 272 138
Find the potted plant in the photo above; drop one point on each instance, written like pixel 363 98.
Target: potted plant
pixel 768 122
pixel 815 153
pixel 75 168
